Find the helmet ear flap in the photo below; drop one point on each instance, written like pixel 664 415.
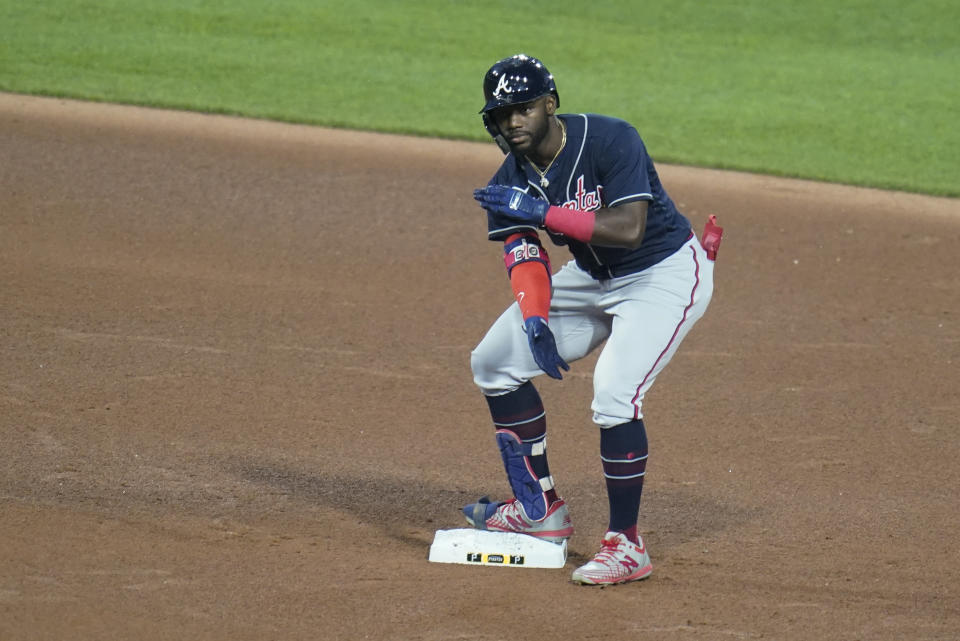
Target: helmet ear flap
pixel 494 131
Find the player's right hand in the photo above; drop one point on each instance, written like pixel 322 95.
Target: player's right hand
pixel 513 203
pixel 544 347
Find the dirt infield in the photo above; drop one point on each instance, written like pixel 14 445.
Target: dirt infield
pixel 236 399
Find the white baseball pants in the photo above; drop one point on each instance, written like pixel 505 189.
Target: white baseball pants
pixel 643 318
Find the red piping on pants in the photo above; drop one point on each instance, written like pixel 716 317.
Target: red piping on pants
pixel 636 408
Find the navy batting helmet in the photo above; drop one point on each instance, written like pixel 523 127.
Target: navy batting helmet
pixel 513 81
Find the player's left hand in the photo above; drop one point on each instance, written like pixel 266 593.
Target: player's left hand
pixel 513 203
pixel 544 347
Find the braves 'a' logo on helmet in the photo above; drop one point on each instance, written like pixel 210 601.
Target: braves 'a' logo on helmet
pixel 503 86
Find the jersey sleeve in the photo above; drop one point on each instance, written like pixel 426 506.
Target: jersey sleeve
pixel 499 227
pixel 624 165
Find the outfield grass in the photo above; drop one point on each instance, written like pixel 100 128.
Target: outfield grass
pixel 854 91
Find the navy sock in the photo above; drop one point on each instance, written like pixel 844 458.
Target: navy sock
pixel 521 411
pixel 623 453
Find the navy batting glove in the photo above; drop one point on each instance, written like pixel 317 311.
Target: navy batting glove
pixel 544 347
pixel 513 203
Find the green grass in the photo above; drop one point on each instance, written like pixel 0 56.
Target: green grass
pixel 853 91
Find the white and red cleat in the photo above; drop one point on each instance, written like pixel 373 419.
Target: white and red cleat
pixel 618 561
pixel 510 517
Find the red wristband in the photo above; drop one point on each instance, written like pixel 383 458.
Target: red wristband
pixel 571 222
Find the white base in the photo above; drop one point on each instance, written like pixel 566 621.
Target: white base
pixel 480 547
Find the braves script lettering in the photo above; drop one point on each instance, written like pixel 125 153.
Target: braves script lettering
pixel 585 200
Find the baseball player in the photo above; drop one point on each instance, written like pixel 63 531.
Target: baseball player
pixel 638 281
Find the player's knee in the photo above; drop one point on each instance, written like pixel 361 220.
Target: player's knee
pixel 611 408
pixel 490 373
pixel 483 368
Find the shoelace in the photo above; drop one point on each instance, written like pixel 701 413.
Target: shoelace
pixel 510 505
pixel 511 509
pixel 608 549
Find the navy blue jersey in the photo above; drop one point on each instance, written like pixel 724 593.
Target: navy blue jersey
pixel 603 164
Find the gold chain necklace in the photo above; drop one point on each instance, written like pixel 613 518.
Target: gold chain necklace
pixel 543 174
